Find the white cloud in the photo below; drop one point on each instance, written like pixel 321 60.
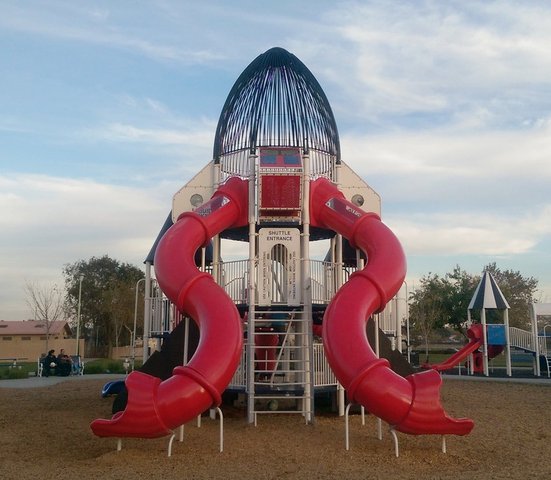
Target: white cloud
pixel 464 234
pixel 148 121
pixel 132 133
pixel 48 222
pixel 78 23
pixel 455 172
pixel 388 61
pixel 490 154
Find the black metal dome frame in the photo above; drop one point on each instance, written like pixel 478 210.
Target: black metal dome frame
pixel 276 102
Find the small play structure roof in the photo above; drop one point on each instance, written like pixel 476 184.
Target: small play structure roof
pixel 276 102
pixel 168 223
pixel 488 295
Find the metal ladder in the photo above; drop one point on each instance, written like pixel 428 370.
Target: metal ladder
pixel 280 364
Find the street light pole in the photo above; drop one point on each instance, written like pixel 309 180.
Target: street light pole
pixel 407 322
pixel 135 321
pixel 81 277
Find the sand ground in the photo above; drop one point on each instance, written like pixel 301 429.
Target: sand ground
pixel 45 434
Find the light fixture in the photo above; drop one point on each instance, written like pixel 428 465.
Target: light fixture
pixel 196 200
pixel 358 200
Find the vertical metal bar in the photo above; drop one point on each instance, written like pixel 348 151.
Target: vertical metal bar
pixel 399 318
pixel 251 289
pixel 77 349
pixel 186 340
pixel 535 339
pixel 508 343
pixel 306 292
pixel 485 343
pixel 147 312
pixel 471 356
pixel 407 324
pixel 339 282
pixel 135 321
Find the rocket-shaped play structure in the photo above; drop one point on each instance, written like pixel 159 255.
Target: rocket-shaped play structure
pixel 276 251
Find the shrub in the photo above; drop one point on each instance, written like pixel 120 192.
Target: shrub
pixel 104 365
pixel 7 373
pixel 22 370
pixel 15 373
pixel 115 367
pixel 93 368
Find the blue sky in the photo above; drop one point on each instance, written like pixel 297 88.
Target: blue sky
pixel 108 108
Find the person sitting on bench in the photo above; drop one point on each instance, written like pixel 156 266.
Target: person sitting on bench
pixel 64 364
pixel 49 363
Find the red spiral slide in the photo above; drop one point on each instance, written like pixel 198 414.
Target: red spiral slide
pixel 412 404
pixel 155 408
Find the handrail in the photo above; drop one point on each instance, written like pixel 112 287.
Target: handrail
pixel 323 375
pixel 543 342
pixel 521 339
pixel 238 164
pixel 283 343
pixel 323 279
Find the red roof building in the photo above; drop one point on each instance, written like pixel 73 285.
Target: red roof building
pixel 59 328
pixel 28 339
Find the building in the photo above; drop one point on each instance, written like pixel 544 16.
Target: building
pixel 26 340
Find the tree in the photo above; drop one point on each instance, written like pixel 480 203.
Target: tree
pixel 426 311
pixel 107 304
pixel 519 292
pixel 121 304
pixel 457 294
pixel 47 304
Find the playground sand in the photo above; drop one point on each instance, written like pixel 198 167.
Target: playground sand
pixel 45 434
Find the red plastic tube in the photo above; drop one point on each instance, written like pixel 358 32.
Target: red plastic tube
pixel 475 334
pixel 155 408
pixel 411 405
pixel 265 351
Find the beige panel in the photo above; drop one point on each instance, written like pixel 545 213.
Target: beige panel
pixel 350 183
pixel 201 184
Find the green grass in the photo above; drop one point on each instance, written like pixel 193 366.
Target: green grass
pixel 22 370
pixel 498 361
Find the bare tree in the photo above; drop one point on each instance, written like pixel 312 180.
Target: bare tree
pixel 47 304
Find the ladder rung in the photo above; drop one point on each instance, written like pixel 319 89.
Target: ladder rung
pixel 283 397
pixel 284 411
pixel 280 386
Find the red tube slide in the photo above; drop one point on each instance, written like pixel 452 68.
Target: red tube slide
pixel 155 408
pixel 412 404
pixel 265 351
pixel 475 334
pixel 478 357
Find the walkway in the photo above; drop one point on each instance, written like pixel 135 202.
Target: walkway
pixel 477 378
pixel 38 382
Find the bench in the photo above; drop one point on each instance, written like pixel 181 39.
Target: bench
pixel 77 365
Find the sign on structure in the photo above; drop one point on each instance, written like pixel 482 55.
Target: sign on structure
pixel 279 266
